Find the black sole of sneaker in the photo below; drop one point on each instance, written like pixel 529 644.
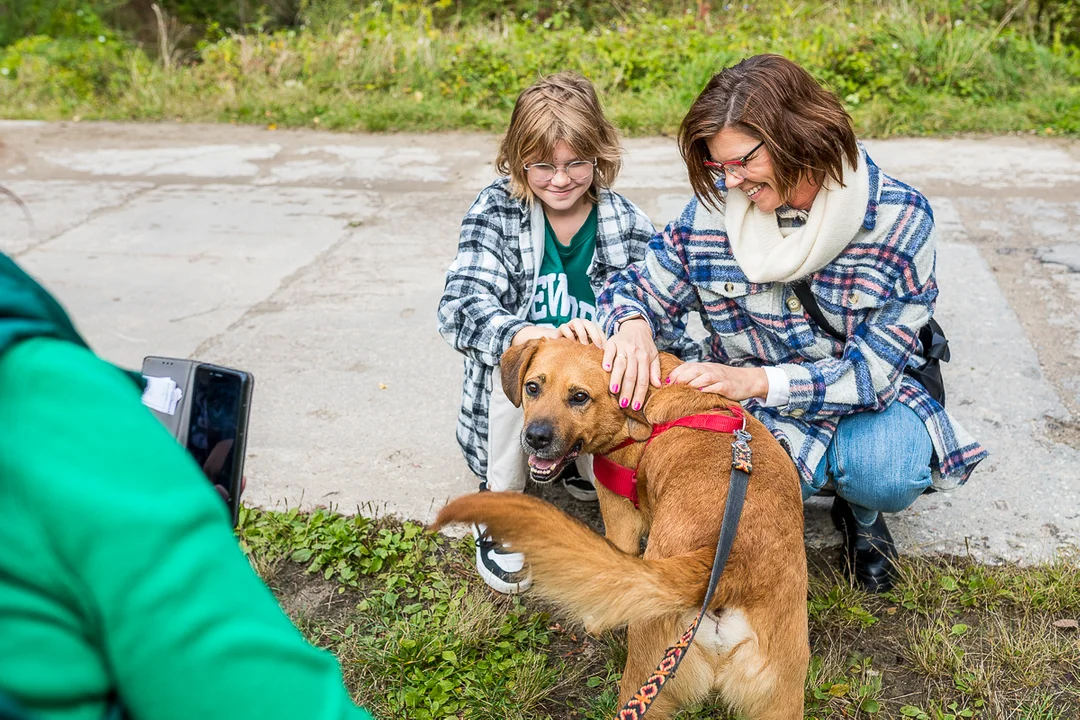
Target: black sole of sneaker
pixel 496 578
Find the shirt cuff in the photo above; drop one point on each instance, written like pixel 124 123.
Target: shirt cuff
pixel 779 393
pixel 611 324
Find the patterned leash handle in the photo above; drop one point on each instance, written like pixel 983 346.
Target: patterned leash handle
pixel 741 465
pixel 636 707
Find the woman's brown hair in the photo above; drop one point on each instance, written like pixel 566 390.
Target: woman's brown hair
pixel 806 130
pixel 558 107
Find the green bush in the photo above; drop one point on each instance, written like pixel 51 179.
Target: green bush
pixel 54 18
pixel 67 71
pixel 900 68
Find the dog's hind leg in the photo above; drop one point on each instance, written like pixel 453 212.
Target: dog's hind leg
pixel 647 642
pixel 765 675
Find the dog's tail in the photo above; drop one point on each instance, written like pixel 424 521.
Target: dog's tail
pixel 577 568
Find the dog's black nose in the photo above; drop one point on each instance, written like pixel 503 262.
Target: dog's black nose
pixel 538 436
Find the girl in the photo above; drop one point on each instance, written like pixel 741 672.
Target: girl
pixel 534 250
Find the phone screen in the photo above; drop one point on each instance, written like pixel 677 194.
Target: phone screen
pixel 216 396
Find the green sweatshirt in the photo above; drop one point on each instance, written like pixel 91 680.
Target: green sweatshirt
pixel 119 573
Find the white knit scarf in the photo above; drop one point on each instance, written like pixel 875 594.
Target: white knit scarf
pixel 765 255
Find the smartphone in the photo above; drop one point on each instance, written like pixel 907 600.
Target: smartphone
pixel 179 371
pixel 218 405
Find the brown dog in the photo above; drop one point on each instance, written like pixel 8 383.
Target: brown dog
pixel 753 647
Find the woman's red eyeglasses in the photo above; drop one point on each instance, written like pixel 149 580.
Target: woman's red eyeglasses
pixel 735 167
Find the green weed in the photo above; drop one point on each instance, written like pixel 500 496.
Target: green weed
pixel 419 636
pixel 901 68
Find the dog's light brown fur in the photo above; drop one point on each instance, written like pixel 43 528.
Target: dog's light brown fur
pixel 757 651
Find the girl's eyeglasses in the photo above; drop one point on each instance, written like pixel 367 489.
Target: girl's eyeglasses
pixel 578 170
pixel 735 167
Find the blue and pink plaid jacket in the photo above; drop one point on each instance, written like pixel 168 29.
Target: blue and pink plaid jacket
pixel 880 290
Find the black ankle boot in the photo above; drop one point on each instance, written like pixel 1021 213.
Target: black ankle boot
pixel 869 550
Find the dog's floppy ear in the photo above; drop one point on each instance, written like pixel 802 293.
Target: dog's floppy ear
pixel 637 426
pixel 515 363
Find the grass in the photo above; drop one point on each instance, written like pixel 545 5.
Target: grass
pixel 420 636
pixel 901 68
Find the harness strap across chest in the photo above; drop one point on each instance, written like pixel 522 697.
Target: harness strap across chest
pixel 622 480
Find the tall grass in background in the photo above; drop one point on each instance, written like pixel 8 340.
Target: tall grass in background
pixel 900 67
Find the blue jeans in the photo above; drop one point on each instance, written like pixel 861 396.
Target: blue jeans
pixel 879 461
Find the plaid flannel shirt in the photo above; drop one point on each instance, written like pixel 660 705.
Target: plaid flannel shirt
pixel 880 290
pixel 491 280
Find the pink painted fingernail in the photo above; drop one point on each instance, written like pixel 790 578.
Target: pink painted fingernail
pixel 623 403
pixel 606 366
pixel 637 406
pixel 668 381
pixel 614 388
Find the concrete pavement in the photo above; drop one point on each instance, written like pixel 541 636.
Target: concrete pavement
pixel 316 261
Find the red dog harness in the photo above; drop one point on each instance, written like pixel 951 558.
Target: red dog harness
pixel 622 480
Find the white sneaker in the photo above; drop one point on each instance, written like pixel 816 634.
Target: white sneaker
pixel 503 571
pixel 578 487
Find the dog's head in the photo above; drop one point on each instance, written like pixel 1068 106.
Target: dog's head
pixel 563 391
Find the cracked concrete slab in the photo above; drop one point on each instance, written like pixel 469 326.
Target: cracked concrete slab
pixel 316 260
pixel 989 164
pixel 196 161
pixel 58 206
pixel 193 258
pixel 1068 256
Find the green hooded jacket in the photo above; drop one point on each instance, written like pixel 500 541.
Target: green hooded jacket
pixel 120 578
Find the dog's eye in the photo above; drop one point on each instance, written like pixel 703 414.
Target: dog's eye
pixel 532 389
pixel 579 398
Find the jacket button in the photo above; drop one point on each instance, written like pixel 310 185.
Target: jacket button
pixel 729 287
pixel 793 304
pixel 853 298
pixel 796 413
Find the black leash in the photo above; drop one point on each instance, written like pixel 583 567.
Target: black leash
pixel 741 466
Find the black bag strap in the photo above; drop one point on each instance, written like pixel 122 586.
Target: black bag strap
pixel 809 303
pixel 935 346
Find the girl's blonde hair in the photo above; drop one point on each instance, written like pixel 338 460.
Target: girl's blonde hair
pixel 558 107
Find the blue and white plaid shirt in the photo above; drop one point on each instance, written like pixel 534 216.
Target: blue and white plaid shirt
pixel 880 291
pixel 491 280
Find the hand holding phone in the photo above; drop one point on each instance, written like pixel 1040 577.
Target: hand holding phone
pixel 210 419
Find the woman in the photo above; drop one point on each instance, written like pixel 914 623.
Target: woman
pixel 785 195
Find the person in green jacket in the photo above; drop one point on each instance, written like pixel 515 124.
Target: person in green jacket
pixel 121 582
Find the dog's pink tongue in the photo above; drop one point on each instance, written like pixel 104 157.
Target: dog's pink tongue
pixel 540 463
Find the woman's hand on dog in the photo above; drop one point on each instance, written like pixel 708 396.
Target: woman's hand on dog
pixel 634 362
pixel 734 383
